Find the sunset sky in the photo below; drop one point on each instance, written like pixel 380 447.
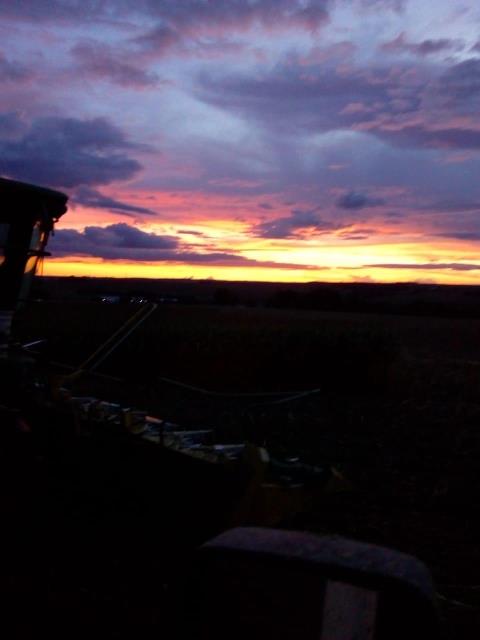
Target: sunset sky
pixel 282 140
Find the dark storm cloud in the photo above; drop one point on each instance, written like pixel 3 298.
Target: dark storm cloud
pixel 424 48
pixel 356 200
pixel 289 226
pixel 66 152
pixel 99 60
pixel 11 71
pixel 453 266
pixel 93 198
pixel 124 242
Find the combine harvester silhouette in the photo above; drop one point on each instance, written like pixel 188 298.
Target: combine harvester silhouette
pixel 112 471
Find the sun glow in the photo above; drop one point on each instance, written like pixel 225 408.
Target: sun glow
pixel 334 273
pixel 228 238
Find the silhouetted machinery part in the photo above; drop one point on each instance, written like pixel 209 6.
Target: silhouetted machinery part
pixel 27 216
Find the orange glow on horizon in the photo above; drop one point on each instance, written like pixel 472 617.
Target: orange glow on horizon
pixel 217 223
pixel 100 269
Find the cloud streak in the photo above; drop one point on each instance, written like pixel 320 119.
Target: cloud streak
pixel 95 199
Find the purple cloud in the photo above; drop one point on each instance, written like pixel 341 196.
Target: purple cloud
pixel 186 16
pixel 124 242
pixel 53 10
pixel 427 47
pixel 461 82
pixel 399 105
pixel 162 39
pixel 238 14
pixel 127 237
pixel 102 61
pixel 11 71
pixel 457 204
pixel 423 136
pixel 289 226
pixel 115 242
pixel 11 126
pixel 66 152
pixel 377 5
pixel 204 28
pixel 356 200
pixel 315 98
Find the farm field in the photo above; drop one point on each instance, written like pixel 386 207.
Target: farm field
pixel 395 406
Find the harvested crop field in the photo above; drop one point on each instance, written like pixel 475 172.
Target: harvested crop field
pixel 394 405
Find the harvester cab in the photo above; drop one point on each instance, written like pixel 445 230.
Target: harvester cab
pixel 27 217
